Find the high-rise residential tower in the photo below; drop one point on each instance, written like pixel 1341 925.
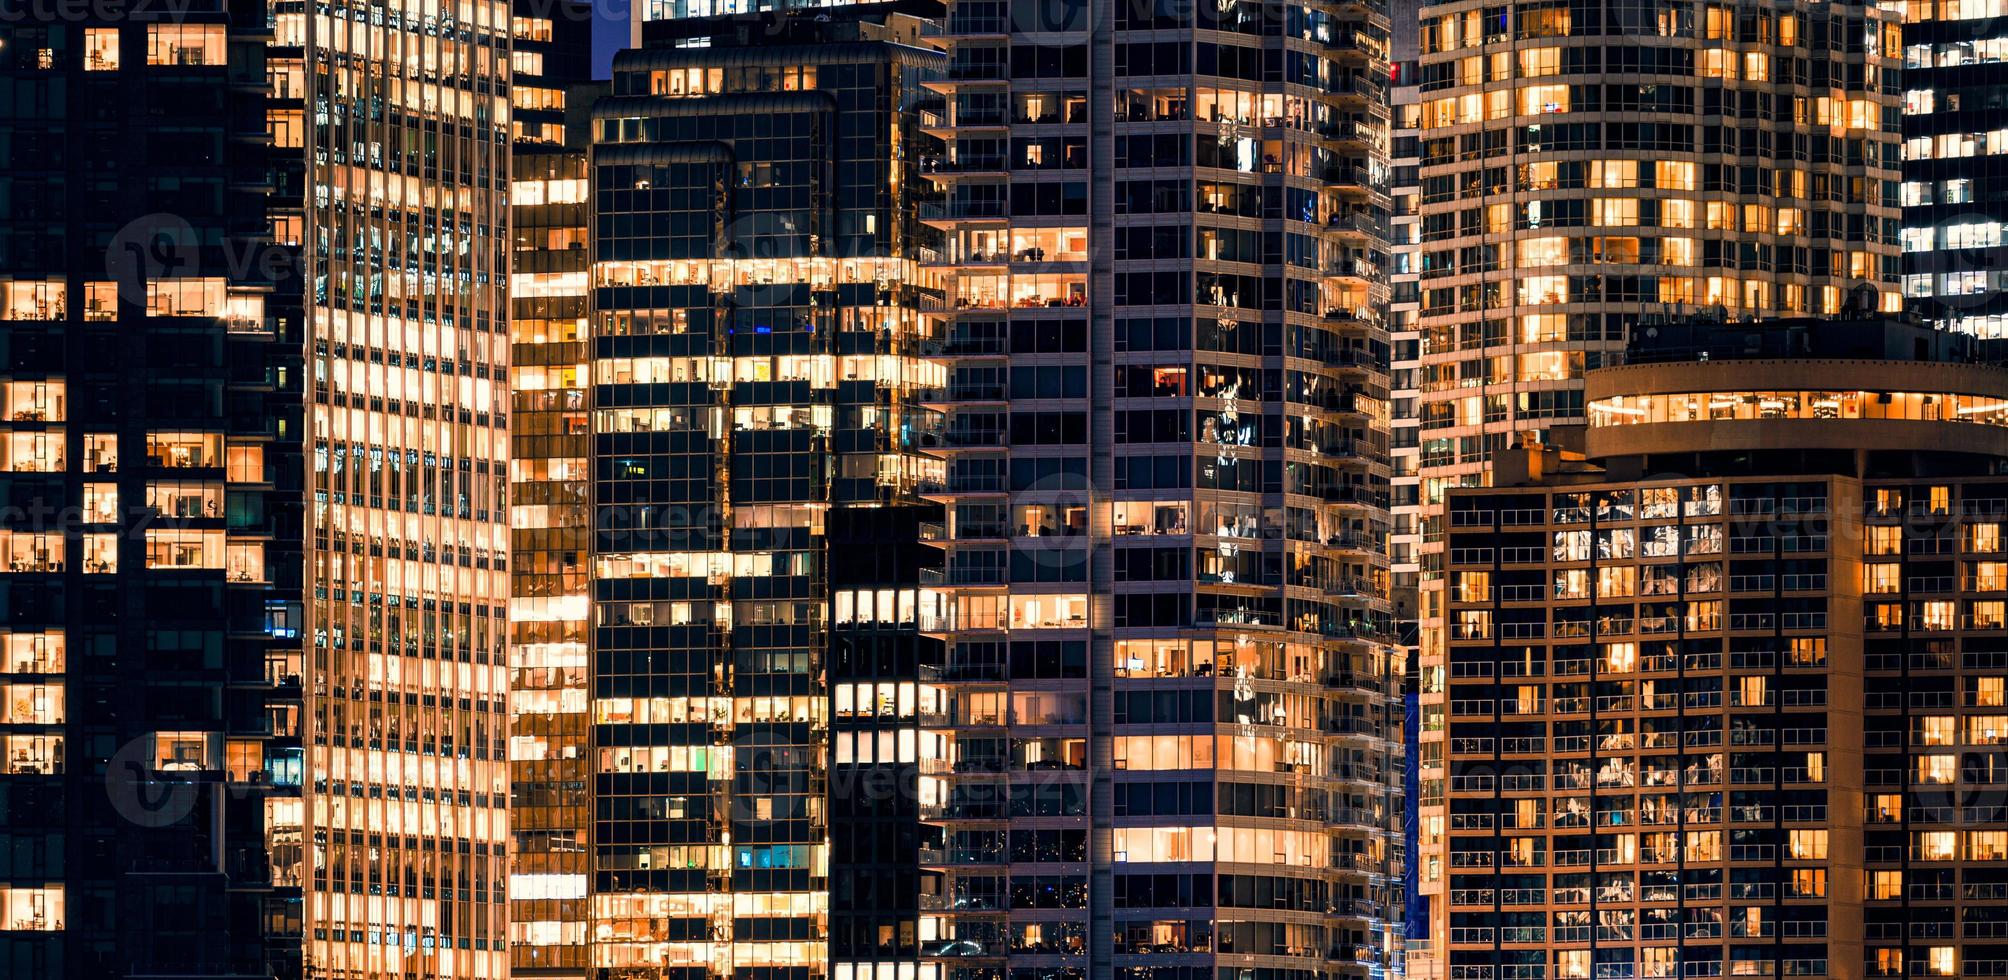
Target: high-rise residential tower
pixel 1587 169
pixel 1955 66
pixel 1723 158
pixel 151 346
pixel 1162 739
pixel 1726 698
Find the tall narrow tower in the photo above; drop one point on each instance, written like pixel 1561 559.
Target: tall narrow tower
pixel 762 290
pixel 1585 170
pixel 407 137
pixel 1166 710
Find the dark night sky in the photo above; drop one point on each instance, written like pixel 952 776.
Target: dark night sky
pixel 610 34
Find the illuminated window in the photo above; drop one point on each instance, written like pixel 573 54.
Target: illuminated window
pixel 101 503
pixel 1937 730
pixel 1537 252
pixel 1615 212
pixel 1677 213
pixel 1617 581
pixel 1887 962
pixel 185 44
pixel 1989 576
pixel 101 49
pixel 183 548
pixel 1049 611
pixel 1539 99
pixel 35 451
pixel 1544 290
pixel 1620 658
pixel 245 561
pixel 31 909
pixel 32 653
pixel 287 127
pixel 1987 729
pixel 183 450
pixel 246 464
pixel 101 302
pixel 26 551
pixel 1473 586
pixel 101 554
pixel 185 297
pixel 1885 886
pixel 1882 578
pixel 1941 961
pixel 32 299
pixel 31 704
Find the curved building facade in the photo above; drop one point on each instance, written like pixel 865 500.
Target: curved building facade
pixel 1724 698
pixel 1588 167
pixel 1163 738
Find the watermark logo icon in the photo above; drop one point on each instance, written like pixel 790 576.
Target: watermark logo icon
pixel 151 247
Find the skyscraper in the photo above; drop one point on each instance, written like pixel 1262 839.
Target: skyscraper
pixel 550 525
pixel 1953 77
pixel 1585 170
pixel 760 297
pixel 1749 167
pixel 408 144
pixel 256 368
pixel 1725 698
pixel 151 341
pixel 1404 432
pixel 1163 742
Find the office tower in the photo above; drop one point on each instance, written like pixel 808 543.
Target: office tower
pixel 1725 698
pixel 150 591
pixel 1733 160
pixel 549 495
pixel 407 141
pixel 1952 237
pixel 1165 741
pixel 759 290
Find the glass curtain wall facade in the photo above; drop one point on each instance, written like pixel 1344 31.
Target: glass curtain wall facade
pixel 761 291
pixel 1586 167
pixel 1163 733
pixel 878 661
pixel 1955 131
pixel 408 143
pixel 549 493
pixel 150 330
